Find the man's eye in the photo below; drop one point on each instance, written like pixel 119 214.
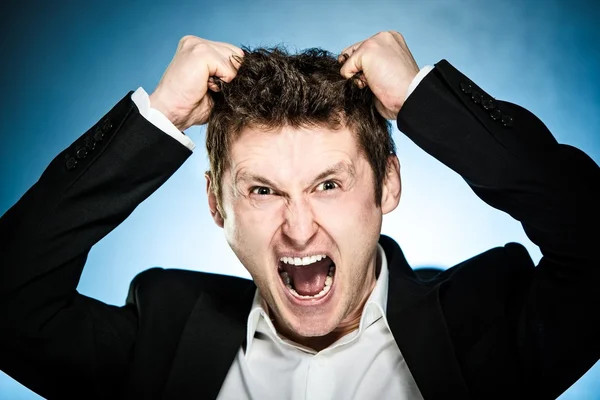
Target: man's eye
pixel 327 185
pixel 261 191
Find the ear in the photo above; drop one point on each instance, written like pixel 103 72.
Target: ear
pixel 213 204
pixel 392 185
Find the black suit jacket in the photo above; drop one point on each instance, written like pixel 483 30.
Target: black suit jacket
pixel 494 326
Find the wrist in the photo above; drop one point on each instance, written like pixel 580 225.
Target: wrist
pixel 417 78
pixel 176 115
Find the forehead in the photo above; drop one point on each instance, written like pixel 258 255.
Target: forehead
pixel 292 145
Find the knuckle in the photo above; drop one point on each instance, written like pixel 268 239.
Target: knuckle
pixel 370 44
pixel 388 36
pixel 199 47
pixel 187 39
pixel 399 36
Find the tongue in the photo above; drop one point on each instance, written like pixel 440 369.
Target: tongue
pixel 309 280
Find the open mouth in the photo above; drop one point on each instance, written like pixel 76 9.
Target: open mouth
pixel 309 277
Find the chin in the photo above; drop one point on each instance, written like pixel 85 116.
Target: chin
pixel 311 325
pixel 310 328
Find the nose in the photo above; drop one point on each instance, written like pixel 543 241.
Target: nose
pixel 299 225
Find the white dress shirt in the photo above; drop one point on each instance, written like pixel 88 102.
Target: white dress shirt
pixel 365 364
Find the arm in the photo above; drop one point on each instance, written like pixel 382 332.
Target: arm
pixel 54 340
pixel 512 162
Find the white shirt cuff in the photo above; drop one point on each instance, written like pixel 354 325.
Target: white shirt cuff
pixel 158 119
pixel 417 79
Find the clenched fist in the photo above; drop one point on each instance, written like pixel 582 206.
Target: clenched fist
pixel 181 94
pixel 385 64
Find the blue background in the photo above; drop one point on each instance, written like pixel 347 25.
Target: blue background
pixel 64 64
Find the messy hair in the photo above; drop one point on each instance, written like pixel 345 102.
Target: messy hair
pixel 275 89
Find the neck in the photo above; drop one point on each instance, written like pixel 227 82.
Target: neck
pixel 319 343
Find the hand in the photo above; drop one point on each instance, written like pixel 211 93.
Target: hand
pixel 198 64
pixel 385 64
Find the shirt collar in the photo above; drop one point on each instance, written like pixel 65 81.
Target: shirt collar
pixel 374 309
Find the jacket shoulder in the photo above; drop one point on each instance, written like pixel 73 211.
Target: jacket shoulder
pixel 512 258
pixel 490 277
pixel 483 290
pixel 179 289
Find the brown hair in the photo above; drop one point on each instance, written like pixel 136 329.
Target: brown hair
pixel 274 88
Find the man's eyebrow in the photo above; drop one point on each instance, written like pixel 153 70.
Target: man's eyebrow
pixel 336 169
pixel 242 176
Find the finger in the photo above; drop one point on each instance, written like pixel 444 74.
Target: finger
pixel 234 49
pixel 380 108
pixel 214 83
pixel 383 111
pixel 347 52
pixel 201 113
pixel 229 70
pixel 234 59
pixel 351 49
pixel 353 65
pixel 231 59
pixel 342 58
pixel 222 68
pixel 233 53
pixel 360 80
pixel 398 37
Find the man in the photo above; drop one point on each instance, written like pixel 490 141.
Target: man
pixel 302 170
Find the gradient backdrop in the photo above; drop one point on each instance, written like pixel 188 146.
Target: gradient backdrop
pixel 64 64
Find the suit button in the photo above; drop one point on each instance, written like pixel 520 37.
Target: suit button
pixel 81 153
pixel 71 164
pixel 476 97
pixel 106 125
pixel 507 121
pixel 466 87
pixel 488 104
pixel 98 135
pixel 90 143
pixel 496 114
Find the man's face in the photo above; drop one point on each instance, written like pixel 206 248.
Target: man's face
pixel 301 217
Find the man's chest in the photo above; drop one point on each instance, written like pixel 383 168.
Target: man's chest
pixel 365 367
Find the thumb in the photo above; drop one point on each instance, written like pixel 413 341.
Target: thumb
pixel 384 111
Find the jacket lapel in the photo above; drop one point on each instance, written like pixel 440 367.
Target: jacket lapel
pixel 216 330
pixel 417 322
pixel 213 335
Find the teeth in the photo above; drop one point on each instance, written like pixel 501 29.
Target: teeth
pixel 286 279
pixel 328 281
pixel 323 292
pixel 302 261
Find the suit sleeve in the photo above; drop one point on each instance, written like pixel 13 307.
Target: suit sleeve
pixel 512 162
pixel 57 342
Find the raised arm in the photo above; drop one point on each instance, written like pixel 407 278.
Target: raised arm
pixel 57 342
pixel 512 162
